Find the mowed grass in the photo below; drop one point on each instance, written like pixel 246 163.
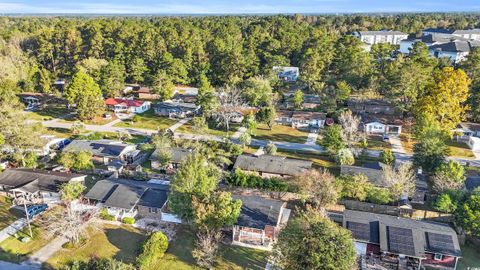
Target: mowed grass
pixel 147 120
pixel 211 130
pixel 179 255
pixel 470 258
pixel 14 250
pixel 109 241
pixel 280 133
pixel 49 112
pixel 459 149
pixel 7 216
pixel 377 143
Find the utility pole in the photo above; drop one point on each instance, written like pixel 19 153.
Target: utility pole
pixel 26 214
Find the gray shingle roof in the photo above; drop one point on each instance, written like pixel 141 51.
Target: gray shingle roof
pixel 272 164
pixel 101 148
pixel 420 231
pixel 127 194
pixel 257 212
pixel 453 46
pixel 178 154
pixel 33 180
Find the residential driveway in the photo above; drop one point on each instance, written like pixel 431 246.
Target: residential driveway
pixel 396 143
pixel 12 229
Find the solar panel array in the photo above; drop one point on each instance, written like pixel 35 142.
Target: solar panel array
pixel 441 243
pixel 400 240
pixel 359 230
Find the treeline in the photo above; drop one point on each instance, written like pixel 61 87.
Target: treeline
pixel 163 51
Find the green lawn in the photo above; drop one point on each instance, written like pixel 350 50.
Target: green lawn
pixel 216 131
pixel 179 255
pixel 7 215
pixel 14 250
pixel 377 143
pixel 60 132
pixel 471 257
pixel 148 120
pixel 111 241
pixel 49 112
pixel 459 149
pixel 281 133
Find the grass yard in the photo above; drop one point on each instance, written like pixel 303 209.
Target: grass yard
pixel 49 112
pixel 459 149
pixel 470 259
pixel 7 215
pixel 118 242
pixel 281 133
pixel 98 120
pixel 14 250
pixel 377 143
pixel 319 161
pixel 216 131
pixel 179 255
pixel 59 132
pixel 147 120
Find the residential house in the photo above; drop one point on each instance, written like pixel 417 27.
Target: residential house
pixel 376 127
pixel 301 119
pixel 176 109
pixel 310 101
pixel 144 93
pixel 106 151
pixel 40 186
pixel 271 166
pixel 469 133
pixel 374 172
pixel 177 156
pixel 370 106
pixel 260 221
pixel 129 198
pixel 383 36
pixel 122 105
pixel 402 243
pixel 288 74
pixel 185 94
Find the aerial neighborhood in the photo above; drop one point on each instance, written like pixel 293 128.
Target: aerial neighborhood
pixel 240 142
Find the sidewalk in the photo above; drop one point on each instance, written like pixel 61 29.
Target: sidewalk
pixel 312 138
pixel 43 254
pixel 397 146
pixel 179 124
pixel 12 229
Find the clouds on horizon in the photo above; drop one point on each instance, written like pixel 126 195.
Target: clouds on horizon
pixel 227 7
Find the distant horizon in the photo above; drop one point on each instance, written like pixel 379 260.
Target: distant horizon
pixel 222 7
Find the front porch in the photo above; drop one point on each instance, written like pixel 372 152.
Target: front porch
pixel 252 238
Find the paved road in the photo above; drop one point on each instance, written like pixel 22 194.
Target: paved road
pixel 312 148
pixel 14 266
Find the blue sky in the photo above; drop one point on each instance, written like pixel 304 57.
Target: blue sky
pixel 232 7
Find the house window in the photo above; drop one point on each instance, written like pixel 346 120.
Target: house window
pixel 152 210
pixel 438 257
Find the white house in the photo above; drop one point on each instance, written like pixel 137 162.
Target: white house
pixel 474 143
pixel 456 51
pixel 384 36
pixel 288 74
pixel 380 128
pixel 472 34
pixel 121 105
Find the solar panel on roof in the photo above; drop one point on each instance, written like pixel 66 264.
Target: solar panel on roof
pixel 400 240
pixel 441 243
pixel 359 230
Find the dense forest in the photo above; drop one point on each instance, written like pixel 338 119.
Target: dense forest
pixel 227 50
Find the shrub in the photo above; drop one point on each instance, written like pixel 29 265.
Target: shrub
pixel 345 157
pixel 355 187
pixel 379 196
pixel 153 249
pixel 240 178
pixel 128 220
pixel 447 201
pixel 387 157
pixel 105 215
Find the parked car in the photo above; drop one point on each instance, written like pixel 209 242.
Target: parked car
pixel 385 137
pixel 35 209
